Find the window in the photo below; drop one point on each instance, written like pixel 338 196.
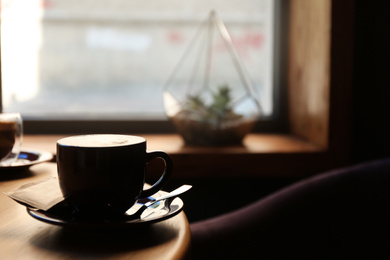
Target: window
pixel 65 60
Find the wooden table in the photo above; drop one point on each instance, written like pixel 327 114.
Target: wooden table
pixel 22 237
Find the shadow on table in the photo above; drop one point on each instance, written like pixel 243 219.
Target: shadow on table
pixel 11 174
pixel 101 243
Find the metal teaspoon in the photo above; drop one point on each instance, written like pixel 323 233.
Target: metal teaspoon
pixel 171 194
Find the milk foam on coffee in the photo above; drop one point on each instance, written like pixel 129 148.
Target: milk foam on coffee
pixel 101 140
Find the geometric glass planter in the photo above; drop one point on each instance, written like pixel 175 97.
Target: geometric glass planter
pixel 209 97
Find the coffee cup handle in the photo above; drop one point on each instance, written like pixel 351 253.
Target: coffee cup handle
pixel 164 177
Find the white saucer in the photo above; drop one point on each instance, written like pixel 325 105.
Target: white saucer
pixel 26 159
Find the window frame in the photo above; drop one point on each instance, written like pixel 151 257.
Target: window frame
pixel 296 153
pixel 136 124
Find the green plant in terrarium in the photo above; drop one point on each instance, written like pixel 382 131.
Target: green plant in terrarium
pixel 202 112
pixel 222 100
pixel 220 108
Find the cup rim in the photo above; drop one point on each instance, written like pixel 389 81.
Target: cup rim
pixel 10 117
pixel 95 142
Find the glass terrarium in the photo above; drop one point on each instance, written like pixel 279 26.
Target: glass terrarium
pixel 210 97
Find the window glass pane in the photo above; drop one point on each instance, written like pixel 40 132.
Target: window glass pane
pixel 69 58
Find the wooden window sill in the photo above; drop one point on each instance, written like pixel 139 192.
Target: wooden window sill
pixel 261 155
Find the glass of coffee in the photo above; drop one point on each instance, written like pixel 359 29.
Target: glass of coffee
pixel 11 132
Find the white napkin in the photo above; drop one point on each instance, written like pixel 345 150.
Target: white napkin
pixel 41 195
